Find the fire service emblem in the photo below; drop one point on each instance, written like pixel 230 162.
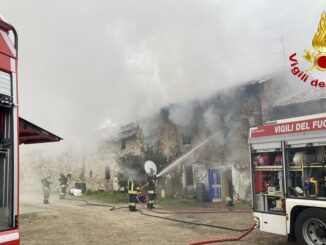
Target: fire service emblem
pixel 319 43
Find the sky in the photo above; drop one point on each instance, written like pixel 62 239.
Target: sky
pixel 85 64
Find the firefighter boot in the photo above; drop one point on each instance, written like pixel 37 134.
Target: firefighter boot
pixel 132 202
pixel 151 198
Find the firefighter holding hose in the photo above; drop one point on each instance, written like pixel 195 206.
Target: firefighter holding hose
pixel 151 179
pixel 151 170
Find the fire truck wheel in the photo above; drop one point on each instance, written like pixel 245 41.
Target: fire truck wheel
pixel 310 227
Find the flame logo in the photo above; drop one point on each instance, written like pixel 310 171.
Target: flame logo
pixel 319 43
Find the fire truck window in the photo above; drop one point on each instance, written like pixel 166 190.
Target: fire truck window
pixel 5 191
pixel 2 125
pixel 268 181
pixel 6 172
pixel 306 177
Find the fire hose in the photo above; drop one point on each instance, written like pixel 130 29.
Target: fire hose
pixel 201 212
pixel 165 218
pixel 192 223
pixel 96 204
pixel 246 231
pixel 183 221
pixel 226 239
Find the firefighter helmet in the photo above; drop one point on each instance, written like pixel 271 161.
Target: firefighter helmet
pixel 298 190
pixel 298 158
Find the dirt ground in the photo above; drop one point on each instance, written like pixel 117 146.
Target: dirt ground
pixel 76 223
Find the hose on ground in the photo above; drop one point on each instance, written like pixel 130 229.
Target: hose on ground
pixel 96 204
pixel 226 239
pixel 201 212
pixel 165 218
pixel 192 223
pixel 183 221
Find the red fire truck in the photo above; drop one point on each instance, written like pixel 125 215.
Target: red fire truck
pixel 9 145
pixel 13 131
pixel 288 169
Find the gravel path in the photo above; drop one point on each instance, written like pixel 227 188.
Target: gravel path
pixel 76 223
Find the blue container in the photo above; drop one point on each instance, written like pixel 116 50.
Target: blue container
pixel 214 185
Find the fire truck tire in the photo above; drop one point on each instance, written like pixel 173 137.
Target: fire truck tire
pixel 310 227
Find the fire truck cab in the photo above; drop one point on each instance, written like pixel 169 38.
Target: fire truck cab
pixel 288 169
pixel 13 131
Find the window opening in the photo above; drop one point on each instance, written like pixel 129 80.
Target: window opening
pixel 107 173
pixel 189 175
pixel 123 144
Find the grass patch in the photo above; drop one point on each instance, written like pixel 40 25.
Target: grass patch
pixel 118 197
pixel 188 202
pixel 176 201
pixel 30 218
pixel 33 215
pixel 242 205
pixel 111 197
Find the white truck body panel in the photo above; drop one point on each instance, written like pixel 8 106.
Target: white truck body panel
pixel 272 223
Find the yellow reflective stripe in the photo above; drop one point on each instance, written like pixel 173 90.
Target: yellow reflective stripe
pixel 151 192
pixel 132 204
pixel 132 192
pixel 151 201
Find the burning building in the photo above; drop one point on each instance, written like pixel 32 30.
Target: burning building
pixel 178 128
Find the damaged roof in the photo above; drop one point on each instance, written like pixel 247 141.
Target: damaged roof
pixel 310 95
pixel 264 78
pixel 290 95
pixel 125 132
pixel 30 133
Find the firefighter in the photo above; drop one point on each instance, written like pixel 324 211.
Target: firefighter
pixel 229 201
pixel 132 191
pixel 151 179
pixel 64 184
pixel 46 189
